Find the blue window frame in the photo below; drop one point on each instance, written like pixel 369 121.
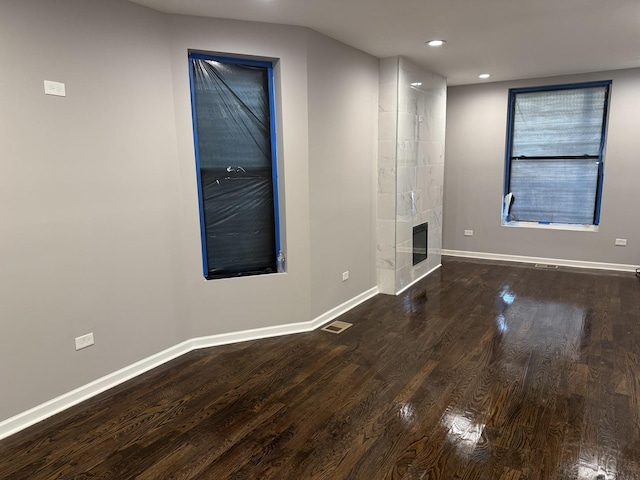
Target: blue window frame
pixel 234 127
pixel 554 167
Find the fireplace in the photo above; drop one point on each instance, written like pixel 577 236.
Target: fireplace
pixel 420 233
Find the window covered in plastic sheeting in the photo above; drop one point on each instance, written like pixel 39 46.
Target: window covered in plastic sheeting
pixel 555 149
pixel 232 102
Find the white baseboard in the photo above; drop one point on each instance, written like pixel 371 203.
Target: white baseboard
pixel 418 279
pixel 343 308
pixel 619 267
pixel 56 405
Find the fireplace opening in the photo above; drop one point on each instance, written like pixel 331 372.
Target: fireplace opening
pixel 420 243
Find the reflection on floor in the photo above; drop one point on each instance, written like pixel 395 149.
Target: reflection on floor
pixel 482 371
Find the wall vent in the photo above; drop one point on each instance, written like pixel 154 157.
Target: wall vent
pixel 544 265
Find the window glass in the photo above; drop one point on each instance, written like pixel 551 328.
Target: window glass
pixel 555 154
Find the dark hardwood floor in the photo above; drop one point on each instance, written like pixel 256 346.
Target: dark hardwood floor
pixel 481 371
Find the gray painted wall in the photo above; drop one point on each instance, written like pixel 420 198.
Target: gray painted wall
pixel 235 304
pixel 343 108
pixel 474 173
pixel 89 198
pixel 100 228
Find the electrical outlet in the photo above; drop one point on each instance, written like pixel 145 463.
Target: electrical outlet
pixel 84 341
pixel 345 276
pixel 621 242
pixel 54 88
pixel 468 233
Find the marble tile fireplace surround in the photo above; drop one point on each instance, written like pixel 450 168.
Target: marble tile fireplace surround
pixel 411 130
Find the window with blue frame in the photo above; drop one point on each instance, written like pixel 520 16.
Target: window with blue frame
pixel 554 156
pixel 235 145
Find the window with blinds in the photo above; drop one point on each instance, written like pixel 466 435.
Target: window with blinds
pixel 554 164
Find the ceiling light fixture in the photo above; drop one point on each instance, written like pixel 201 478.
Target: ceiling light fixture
pixel 416 84
pixel 484 75
pixel 436 43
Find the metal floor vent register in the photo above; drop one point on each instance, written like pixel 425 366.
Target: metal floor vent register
pixel 336 327
pixel 544 265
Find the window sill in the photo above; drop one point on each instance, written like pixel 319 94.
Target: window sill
pixel 551 226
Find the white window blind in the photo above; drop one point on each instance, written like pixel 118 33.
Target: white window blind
pixel 555 155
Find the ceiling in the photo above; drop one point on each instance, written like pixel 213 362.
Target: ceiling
pixel 510 39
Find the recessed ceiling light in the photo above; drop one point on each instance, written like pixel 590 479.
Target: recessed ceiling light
pixel 484 75
pixel 436 43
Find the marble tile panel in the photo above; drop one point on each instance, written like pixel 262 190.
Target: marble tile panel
pixel 434 244
pixel 387 153
pixel 436 175
pixel 423 104
pixel 404 232
pixel 388 98
pixel 387 180
pixel 412 101
pixel 426 216
pixel 435 199
pixel 407 179
pixel 433 152
pixel 408 100
pixel 438 132
pixel 387 126
pixel 434 196
pixel 435 260
pixel 388 70
pixel 386 233
pixel 437 216
pixel 407 152
pixel 423 125
pixel 419 174
pixel 419 270
pixel 427 201
pixel 386 206
pixel 387 281
pixel 386 257
pixel 409 205
pixel 422 177
pixel 403 277
pixel 407 127
pixel 404 255
pixel 408 72
pixel 426 127
pixel 423 152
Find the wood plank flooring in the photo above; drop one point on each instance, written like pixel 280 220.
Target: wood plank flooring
pixel 481 371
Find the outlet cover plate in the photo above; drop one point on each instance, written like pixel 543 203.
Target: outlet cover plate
pixel 84 341
pixel 56 89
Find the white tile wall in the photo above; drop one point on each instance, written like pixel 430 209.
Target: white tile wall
pixel 410 169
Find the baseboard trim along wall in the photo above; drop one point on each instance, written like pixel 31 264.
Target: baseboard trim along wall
pixel 619 267
pixel 45 410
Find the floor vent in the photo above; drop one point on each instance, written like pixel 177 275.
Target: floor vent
pixel 336 327
pixel 544 265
